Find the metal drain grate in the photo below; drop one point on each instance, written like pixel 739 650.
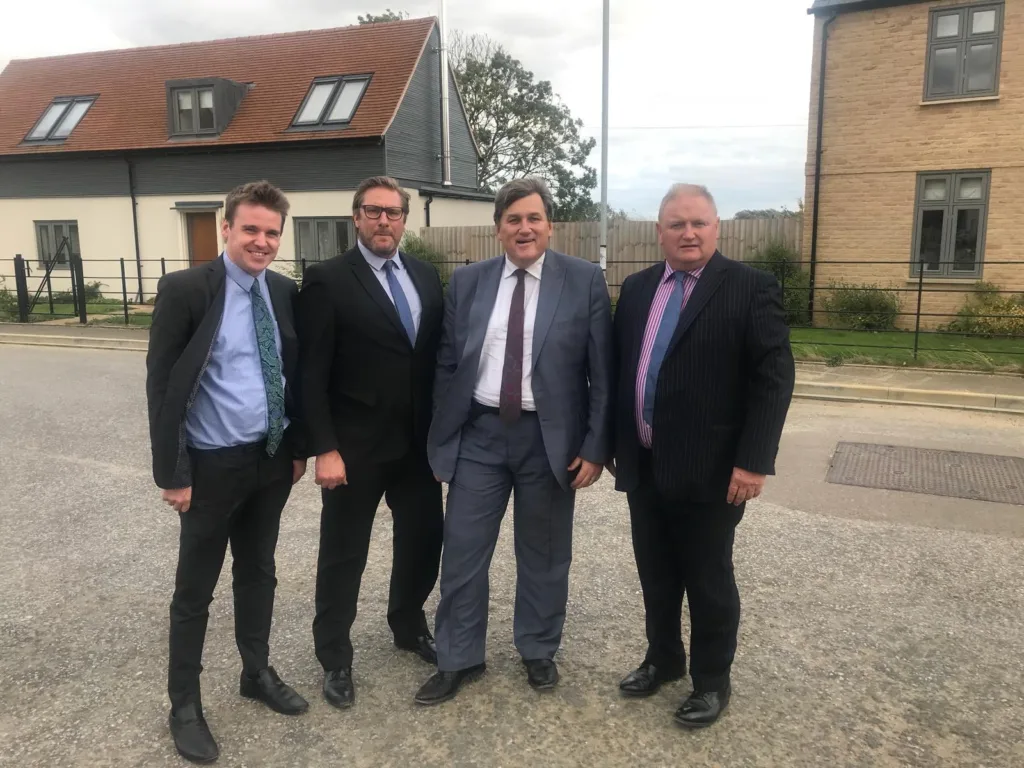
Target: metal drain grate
pixel 921 470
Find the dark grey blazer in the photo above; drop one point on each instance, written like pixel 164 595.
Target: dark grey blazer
pixel 572 361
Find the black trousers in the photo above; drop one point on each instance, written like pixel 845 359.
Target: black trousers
pixel 346 520
pixel 237 496
pixel 685 549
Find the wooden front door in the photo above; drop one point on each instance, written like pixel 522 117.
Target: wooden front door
pixel 203 244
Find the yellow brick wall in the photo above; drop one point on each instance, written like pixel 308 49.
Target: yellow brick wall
pixel 878 135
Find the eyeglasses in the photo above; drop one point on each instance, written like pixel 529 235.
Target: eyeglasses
pixel 374 212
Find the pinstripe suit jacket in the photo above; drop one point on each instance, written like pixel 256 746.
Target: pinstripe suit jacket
pixel 724 387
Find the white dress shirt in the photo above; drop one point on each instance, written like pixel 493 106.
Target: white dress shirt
pixel 377 265
pixel 492 357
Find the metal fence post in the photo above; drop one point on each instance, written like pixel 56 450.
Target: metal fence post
pixel 21 286
pixel 920 291
pixel 49 291
pixel 78 279
pixel 302 268
pixel 124 292
pixel 163 267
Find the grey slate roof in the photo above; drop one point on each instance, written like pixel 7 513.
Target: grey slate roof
pixel 821 7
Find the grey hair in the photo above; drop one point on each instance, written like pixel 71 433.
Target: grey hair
pixel 517 189
pixel 690 190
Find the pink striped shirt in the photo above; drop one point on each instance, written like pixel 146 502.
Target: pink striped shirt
pixel 644 430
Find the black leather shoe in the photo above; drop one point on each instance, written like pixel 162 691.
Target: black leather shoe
pixel 444 685
pixel 702 709
pixel 267 687
pixel 192 736
pixel 542 674
pixel 338 688
pixel 645 680
pixel 423 646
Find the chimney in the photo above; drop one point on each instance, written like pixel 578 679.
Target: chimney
pixel 446 145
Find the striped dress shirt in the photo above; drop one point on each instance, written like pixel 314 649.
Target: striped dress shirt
pixel 644 430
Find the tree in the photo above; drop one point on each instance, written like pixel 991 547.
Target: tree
pixel 522 127
pixel 388 15
pixel 770 213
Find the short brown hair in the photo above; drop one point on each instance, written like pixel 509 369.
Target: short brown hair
pixel 517 189
pixel 379 182
pixel 261 193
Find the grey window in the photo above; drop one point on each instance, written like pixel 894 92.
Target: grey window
pixel 193 111
pixel 331 101
pixel 949 229
pixel 318 239
pixel 57 239
pixel 963 52
pixel 60 118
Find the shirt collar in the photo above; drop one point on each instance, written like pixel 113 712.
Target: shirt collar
pixel 534 269
pixel 669 272
pixel 378 262
pixel 240 277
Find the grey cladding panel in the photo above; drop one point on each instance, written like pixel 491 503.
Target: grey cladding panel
pixel 297 170
pixel 63 177
pixel 414 139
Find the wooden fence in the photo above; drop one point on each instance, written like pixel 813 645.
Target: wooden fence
pixel 632 245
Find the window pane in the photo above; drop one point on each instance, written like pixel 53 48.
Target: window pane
pixel 186 122
pixel 346 103
pixel 968 235
pixel 307 245
pixel 71 119
pixel 343 239
pixel 315 104
pixel 983 22
pixel 930 249
pixel 971 189
pixel 75 247
pixel 45 246
pixel 324 239
pixel 50 117
pixel 935 189
pixel 943 71
pixel 206 109
pixel 981 67
pixel 948 26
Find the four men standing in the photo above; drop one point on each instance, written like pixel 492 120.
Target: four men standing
pixel 514 384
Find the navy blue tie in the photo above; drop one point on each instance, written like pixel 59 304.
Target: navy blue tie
pixel 667 327
pixel 401 302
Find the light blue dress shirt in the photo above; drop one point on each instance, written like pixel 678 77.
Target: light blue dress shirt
pixel 231 405
pixel 377 265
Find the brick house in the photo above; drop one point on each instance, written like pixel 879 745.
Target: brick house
pixel 129 153
pixel 921 160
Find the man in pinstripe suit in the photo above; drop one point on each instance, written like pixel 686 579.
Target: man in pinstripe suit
pixel 705 376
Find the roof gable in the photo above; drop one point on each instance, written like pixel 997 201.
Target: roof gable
pixel 130 111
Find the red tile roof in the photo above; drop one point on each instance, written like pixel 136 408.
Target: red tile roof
pixel 131 111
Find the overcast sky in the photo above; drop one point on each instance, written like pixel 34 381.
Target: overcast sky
pixel 714 93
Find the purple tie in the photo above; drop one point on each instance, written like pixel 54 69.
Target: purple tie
pixel 511 399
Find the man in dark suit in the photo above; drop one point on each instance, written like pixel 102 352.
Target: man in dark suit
pixel 226 447
pixel 523 402
pixel 370 322
pixel 705 376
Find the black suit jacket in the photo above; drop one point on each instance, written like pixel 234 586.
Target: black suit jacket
pixel 724 387
pixel 366 390
pixel 186 316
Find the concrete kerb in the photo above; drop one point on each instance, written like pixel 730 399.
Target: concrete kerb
pixel 810 390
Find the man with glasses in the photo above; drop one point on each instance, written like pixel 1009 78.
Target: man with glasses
pixel 369 327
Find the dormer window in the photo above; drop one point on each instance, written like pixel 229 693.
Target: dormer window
pixel 331 101
pixel 193 111
pixel 202 108
pixel 60 118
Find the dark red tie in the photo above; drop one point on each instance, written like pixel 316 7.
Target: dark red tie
pixel 511 398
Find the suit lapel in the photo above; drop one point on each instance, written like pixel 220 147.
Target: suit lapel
pixel 364 274
pixel 486 293
pixel 710 279
pixel 416 274
pixel 552 281
pixel 279 290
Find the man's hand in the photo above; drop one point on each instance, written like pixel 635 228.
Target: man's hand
pixel 744 486
pixel 298 470
pixel 588 473
pixel 610 466
pixel 179 498
pixel 330 470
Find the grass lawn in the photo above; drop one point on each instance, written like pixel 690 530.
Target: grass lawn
pixel 945 350
pixel 134 321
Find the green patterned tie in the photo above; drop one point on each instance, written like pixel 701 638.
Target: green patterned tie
pixel 270 364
